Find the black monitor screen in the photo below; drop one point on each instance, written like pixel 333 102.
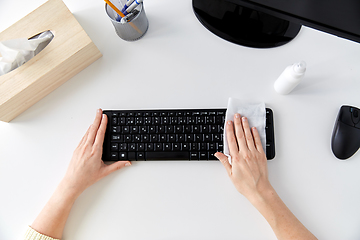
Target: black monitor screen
pixel 272 23
pixel 339 15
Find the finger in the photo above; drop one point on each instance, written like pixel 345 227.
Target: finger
pixel 248 135
pixel 99 139
pixel 240 135
pixel 225 161
pixel 231 140
pixel 116 166
pixel 257 140
pixel 94 127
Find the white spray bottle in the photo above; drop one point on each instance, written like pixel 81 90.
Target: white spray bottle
pixel 290 78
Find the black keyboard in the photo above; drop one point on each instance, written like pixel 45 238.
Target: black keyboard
pixel 186 134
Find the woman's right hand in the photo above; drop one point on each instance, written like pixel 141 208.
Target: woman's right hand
pixel 249 174
pixel 248 170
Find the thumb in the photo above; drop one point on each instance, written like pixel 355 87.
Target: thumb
pixel 116 166
pixel 224 160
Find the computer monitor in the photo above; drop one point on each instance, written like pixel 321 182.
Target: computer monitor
pixel 272 23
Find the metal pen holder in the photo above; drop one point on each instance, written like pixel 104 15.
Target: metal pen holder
pixel 132 29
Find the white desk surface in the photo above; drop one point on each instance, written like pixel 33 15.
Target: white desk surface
pixel 180 64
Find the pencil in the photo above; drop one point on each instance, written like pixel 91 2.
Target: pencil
pixel 122 15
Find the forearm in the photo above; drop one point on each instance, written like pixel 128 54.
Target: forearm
pixel 51 220
pixel 283 222
pixel 85 168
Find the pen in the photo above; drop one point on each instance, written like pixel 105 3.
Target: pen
pixel 123 10
pixel 133 6
pixel 122 15
pixel 127 18
pixel 127 4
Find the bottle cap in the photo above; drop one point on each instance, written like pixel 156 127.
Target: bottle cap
pixel 300 67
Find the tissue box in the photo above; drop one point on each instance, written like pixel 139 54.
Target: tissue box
pixel 70 51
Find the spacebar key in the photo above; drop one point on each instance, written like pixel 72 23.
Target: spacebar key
pixel 167 156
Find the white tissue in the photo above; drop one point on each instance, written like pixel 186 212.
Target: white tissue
pixel 16 52
pixel 254 112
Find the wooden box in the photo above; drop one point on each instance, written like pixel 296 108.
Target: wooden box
pixel 70 51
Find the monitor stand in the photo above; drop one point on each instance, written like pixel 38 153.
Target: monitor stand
pixel 244 26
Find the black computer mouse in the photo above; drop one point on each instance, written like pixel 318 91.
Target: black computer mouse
pixel 345 139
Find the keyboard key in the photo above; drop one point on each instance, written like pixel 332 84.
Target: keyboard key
pixel 190 120
pixel 153 138
pixel 131 156
pixel 185 146
pixel 143 129
pixel 158 147
pixel 181 120
pixel 123 156
pixel 132 146
pixel 165 120
pixel 150 147
pixel 167 147
pixel 138 120
pixel 140 156
pixel 196 129
pixel 134 129
pixel 211 156
pixel 207 137
pixel 204 128
pixel 194 156
pixel 122 121
pixel 176 146
pixel 152 129
pixel 116 129
pixel 170 129
pixel 171 137
pixel 174 120
pixel 114 156
pixel 137 138
pixel 128 138
pixel 203 156
pixel 116 137
pixel 194 146
pixel 147 121
pixel 141 147
pixel 130 121
pixel 123 147
pixel 145 138
pixel 190 137
pixel 161 129
pixel 180 138
pixel 217 137
pixel 187 129
pixel 179 129
pixel 156 120
pixel 114 120
pixel 114 147
pixel 163 138
pixel 125 129
pixel 167 156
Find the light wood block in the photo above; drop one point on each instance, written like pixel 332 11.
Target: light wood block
pixel 70 51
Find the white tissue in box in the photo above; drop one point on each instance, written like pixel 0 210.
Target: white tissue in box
pixel 254 112
pixel 16 52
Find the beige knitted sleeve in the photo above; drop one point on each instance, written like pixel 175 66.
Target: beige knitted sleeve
pixel 31 234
